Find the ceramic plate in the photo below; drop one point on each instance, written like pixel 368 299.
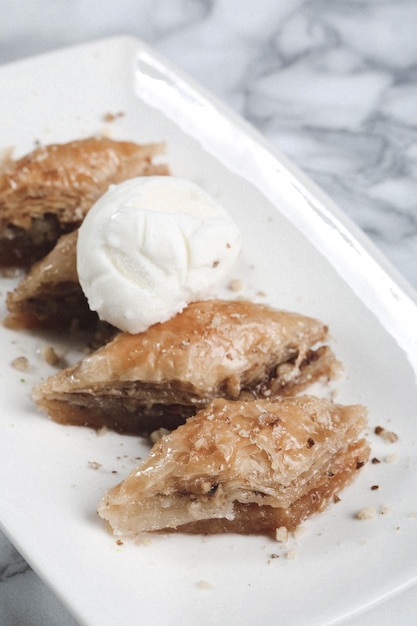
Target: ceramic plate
pixel 299 253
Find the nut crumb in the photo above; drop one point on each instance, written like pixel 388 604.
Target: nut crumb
pixel 291 554
pixel 111 117
pixel 299 532
pixel 20 363
pixel 386 435
pixel 281 534
pixel 368 512
pixel 50 356
pixel 94 465
pixel 119 542
pixel 156 435
pixel 236 284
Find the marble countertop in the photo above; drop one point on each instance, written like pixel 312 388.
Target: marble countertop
pixel 331 83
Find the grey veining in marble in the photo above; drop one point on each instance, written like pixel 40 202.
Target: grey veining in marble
pixel 331 83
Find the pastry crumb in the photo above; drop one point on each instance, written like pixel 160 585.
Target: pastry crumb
pixel 391 458
pixel 384 510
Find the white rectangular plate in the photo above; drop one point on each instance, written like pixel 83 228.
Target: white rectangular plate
pixel 300 253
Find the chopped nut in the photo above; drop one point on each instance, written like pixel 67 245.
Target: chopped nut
pixel 236 284
pixel 387 435
pixel 111 117
pixel 292 553
pixel 156 435
pixel 20 363
pixel 50 356
pixel 299 532
pixel 281 534
pixel 375 461
pixel 368 512
pixel 94 465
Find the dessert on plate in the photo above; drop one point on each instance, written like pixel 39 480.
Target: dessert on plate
pixel 47 192
pixel 49 295
pixel 245 467
pixel 140 382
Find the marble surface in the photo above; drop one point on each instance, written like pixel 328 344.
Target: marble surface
pixel 331 83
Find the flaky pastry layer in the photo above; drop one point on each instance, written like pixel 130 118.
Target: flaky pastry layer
pixel 47 192
pixel 216 348
pixel 247 467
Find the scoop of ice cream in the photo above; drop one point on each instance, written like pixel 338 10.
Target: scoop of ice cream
pixel 150 246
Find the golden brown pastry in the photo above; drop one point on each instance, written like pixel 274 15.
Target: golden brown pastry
pixel 216 348
pixel 48 192
pixel 50 295
pixel 245 467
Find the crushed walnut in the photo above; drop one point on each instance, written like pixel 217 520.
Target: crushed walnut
pixel 386 435
pixel 20 363
pixel 50 356
pixel 281 534
pixel 368 512
pixel 94 465
pixel 236 284
pixel 156 435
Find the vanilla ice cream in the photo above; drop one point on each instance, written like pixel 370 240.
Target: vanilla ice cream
pixel 151 245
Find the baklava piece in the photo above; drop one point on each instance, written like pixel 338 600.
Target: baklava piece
pixel 48 192
pixel 244 467
pixel 50 295
pixel 215 348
